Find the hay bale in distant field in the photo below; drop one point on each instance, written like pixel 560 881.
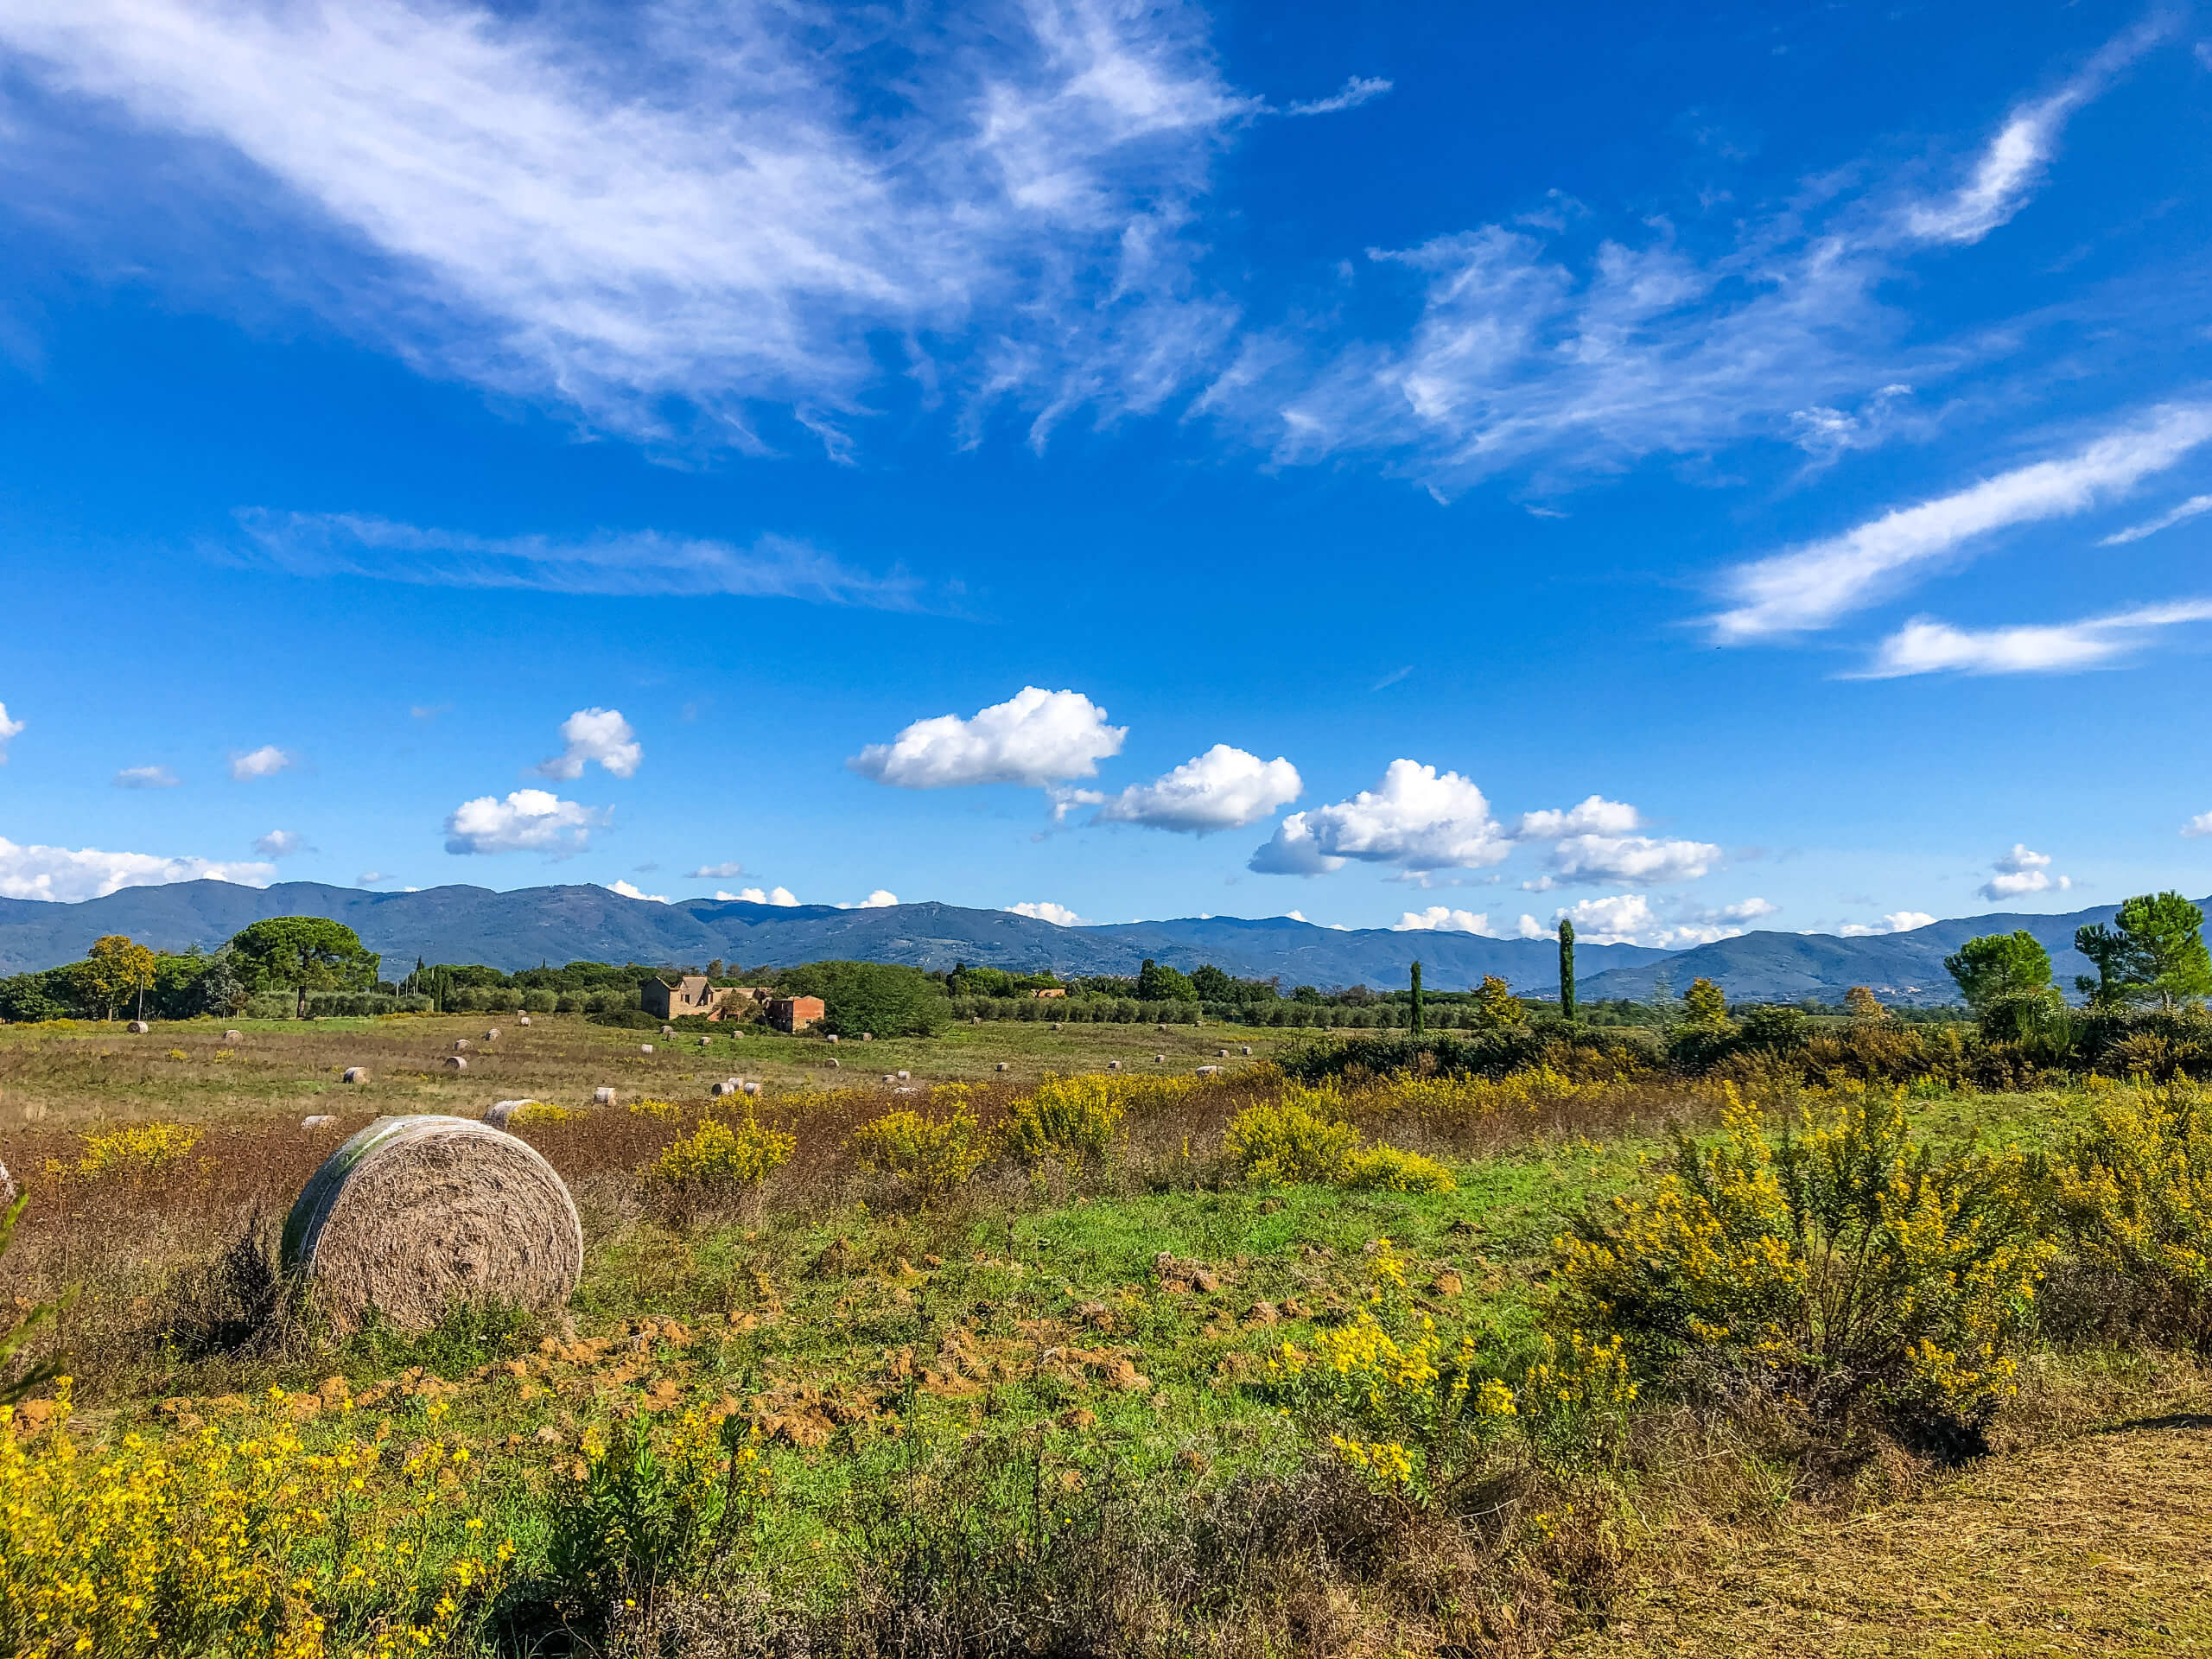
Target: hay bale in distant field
pixel 1001 1066
pixel 1222 1052
pixel 320 1121
pixel 1159 1059
pixel 602 1097
pixel 138 1027
pixel 727 1086
pixel 1113 1065
pixel 414 1214
pixel 1208 1070
pixel 833 1036
pixel 835 1063
pixel 750 1088
pixel 357 1074
pixel 705 1041
pixel 668 1031
pixel 1248 1048
pixel 522 1019
pixel 234 1036
pixel 7 1189
pixel 493 1035
pixel 456 1063
pixel 645 1048
pixel 460 1045
pixel 500 1111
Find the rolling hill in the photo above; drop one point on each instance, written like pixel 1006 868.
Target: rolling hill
pixel 523 927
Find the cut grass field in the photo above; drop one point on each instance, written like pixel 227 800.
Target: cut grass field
pixel 72 1077
pixel 1040 1416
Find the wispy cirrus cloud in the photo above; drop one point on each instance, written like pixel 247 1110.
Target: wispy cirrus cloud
pixel 1925 645
pixel 644 563
pixel 1812 586
pixel 2166 520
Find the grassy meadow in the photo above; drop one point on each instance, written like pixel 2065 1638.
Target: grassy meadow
pixel 1149 1396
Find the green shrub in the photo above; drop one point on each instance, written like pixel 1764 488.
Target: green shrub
pixel 1390 1169
pixel 1844 1266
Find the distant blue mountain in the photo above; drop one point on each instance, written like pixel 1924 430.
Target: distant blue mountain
pixel 522 928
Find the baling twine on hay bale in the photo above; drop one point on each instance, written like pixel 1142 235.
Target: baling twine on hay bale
pixel 414 1214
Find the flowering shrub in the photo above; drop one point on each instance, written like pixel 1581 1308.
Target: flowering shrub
pixel 139 1150
pixel 238 1541
pixel 1842 1265
pixel 932 1156
pixel 718 1159
pixel 1390 1169
pixel 2135 1192
pixel 1072 1119
pixel 544 1111
pixel 1302 1138
pixel 668 1110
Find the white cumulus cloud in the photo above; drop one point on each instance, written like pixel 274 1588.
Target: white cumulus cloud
pixel 1618 919
pixel 881 899
pixel 2021 871
pixel 528 820
pixel 9 730
pixel 1813 586
pixel 67 875
pixel 280 843
pixel 717 872
pixel 1416 818
pixel 146 777
pixel 1034 737
pixel 1592 816
pixel 630 891
pixel 590 735
pixel 2199 825
pixel 1636 861
pixel 782 898
pixel 1223 788
pixel 1442 919
pixel 1897 921
pixel 1044 910
pixel 264 762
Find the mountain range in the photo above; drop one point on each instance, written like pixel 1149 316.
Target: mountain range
pixel 529 925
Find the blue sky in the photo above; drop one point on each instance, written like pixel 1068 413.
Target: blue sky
pixel 1402 466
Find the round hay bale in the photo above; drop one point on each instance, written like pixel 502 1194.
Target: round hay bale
pixel 138 1027
pixel 493 1035
pixel 8 1190
pixel 1159 1059
pixel 456 1063
pixel 904 1077
pixel 1248 1048
pixel 357 1074
pixel 835 1064
pixel 602 1097
pixel 751 1087
pixel 1001 1066
pixel 1208 1070
pixel 833 1036
pixel 414 1214
pixel 234 1036
pixel 888 1078
pixel 1113 1065
pixel 705 1042
pixel 522 1019
pixel 727 1086
pixel 1222 1052
pixel 500 1111
pixel 320 1121
pixel 647 1048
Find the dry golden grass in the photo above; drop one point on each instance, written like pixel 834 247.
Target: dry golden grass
pixel 2101 1544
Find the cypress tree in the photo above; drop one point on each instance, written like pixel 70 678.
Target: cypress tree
pixel 1567 967
pixel 1418 1024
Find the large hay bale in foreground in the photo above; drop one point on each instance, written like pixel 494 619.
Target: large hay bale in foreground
pixel 414 1214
